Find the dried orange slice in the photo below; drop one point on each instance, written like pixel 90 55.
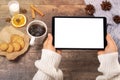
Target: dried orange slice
pixel 18 20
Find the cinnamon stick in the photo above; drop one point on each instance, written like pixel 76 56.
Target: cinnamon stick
pixel 33 13
pixel 38 11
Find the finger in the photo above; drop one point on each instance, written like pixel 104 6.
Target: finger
pixel 101 52
pixel 59 51
pixel 46 41
pixel 110 40
pixel 50 39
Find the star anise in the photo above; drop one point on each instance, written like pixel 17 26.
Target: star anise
pixel 8 19
pixel 22 10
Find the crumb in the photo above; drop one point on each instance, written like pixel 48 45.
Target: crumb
pixel 22 10
pixel 90 10
pixel 116 19
pixel 8 19
pixel 106 5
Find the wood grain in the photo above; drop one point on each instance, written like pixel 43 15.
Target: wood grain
pixel 46 2
pixel 76 64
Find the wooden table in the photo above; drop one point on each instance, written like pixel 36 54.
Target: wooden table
pixel 76 64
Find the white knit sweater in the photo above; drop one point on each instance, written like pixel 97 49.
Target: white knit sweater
pixel 49 62
pixel 109 66
pixel 48 66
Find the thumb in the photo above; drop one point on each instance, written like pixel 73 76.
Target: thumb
pixel 110 41
pixel 50 38
pixel 59 51
pixel 101 52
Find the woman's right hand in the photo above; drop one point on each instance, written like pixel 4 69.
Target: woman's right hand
pixel 111 46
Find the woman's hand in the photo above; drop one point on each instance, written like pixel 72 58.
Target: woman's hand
pixel 111 46
pixel 48 44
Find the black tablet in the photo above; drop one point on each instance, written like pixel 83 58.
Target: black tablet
pixel 79 32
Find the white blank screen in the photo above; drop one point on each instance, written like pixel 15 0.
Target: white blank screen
pixel 79 33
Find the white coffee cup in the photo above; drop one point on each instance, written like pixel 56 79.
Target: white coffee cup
pixel 40 38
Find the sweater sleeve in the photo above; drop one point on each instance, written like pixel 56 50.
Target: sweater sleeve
pixel 109 66
pixel 48 66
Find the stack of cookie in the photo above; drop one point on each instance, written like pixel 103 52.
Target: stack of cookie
pixel 16 44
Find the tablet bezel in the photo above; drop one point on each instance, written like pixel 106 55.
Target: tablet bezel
pixel 104 30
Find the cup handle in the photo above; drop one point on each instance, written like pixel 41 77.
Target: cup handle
pixel 32 41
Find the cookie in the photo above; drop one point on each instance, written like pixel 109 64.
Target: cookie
pixel 10 48
pixel 15 37
pixel 16 46
pixel 18 39
pixel 3 46
pixel 21 42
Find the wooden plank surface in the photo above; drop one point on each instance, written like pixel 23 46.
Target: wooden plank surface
pixel 76 64
pixel 46 2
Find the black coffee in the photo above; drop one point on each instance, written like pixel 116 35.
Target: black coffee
pixel 36 30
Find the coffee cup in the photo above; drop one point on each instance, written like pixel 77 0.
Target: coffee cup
pixel 37 30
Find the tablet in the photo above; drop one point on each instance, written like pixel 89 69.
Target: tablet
pixel 79 32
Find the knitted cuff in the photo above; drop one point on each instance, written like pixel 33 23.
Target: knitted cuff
pixel 109 63
pixel 50 58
